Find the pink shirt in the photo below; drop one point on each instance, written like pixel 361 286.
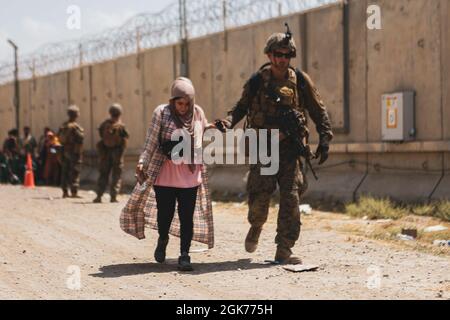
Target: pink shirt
pixel 178 176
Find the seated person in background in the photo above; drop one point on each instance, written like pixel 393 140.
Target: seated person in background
pixel 52 169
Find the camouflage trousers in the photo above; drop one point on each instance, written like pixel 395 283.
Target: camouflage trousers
pixel 110 162
pixel 292 184
pixel 70 171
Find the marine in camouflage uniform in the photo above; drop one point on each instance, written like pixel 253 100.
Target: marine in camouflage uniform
pixel 257 102
pixel 111 150
pixel 71 136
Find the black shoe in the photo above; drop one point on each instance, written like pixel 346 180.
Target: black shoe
pixel 98 200
pixel 65 194
pixel 160 252
pixel 184 262
pixel 114 200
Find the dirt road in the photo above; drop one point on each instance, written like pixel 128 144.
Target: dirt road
pixel 46 240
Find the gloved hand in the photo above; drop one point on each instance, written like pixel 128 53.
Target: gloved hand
pixel 222 125
pixel 322 150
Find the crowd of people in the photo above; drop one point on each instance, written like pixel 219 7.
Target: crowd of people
pixel 44 153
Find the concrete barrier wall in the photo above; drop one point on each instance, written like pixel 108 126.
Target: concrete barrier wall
pixel 445 67
pixel 80 94
pixel 406 55
pixel 410 52
pixel 325 56
pixel 103 93
pixel 128 77
pixel 39 103
pixel 25 103
pixel 7 110
pixel 158 73
pixel 58 99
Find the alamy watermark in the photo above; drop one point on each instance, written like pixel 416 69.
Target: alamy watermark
pixel 374 279
pixel 73 282
pixel 374 19
pixel 254 147
pixel 74 19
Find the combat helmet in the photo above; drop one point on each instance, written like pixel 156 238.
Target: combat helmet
pixel 115 108
pixel 281 41
pixel 73 109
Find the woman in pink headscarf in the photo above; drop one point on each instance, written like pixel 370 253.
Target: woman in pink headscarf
pixel 164 184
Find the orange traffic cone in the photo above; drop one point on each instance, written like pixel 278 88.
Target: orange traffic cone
pixel 29 175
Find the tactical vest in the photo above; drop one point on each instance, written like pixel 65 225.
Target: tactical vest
pixel 267 95
pixel 71 136
pixel 112 134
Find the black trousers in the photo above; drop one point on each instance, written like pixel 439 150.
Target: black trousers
pixel 166 198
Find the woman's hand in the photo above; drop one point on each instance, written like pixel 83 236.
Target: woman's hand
pixel 140 174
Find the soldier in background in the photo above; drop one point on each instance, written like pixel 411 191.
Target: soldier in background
pixel 11 145
pixel 12 162
pixel 71 137
pixel 4 168
pixel 29 144
pixel 274 86
pixel 111 150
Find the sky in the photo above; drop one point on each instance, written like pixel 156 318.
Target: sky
pixel 31 24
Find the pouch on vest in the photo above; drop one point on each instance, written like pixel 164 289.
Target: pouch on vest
pixel 111 136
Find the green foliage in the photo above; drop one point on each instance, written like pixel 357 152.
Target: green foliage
pixel 375 209
pixel 386 209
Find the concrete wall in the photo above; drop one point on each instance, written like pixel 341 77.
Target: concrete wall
pixel 80 94
pixel 7 110
pixel 25 103
pixel 158 73
pixel 409 53
pixel 39 104
pixel 325 56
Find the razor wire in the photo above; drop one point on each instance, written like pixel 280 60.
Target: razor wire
pixel 151 30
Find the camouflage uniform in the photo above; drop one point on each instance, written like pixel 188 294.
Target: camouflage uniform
pixel 262 113
pixel 111 153
pixel 71 136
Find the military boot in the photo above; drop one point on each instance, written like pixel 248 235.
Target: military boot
pixel 65 194
pixel 284 256
pixel 114 199
pixel 160 252
pixel 74 193
pixel 251 241
pixel 98 199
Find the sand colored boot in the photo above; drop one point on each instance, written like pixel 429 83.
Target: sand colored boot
pixel 284 256
pixel 251 241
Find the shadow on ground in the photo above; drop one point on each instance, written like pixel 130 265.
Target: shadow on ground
pixel 130 269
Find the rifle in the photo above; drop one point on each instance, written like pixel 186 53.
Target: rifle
pixel 290 124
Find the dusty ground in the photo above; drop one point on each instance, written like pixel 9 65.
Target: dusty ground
pixel 42 236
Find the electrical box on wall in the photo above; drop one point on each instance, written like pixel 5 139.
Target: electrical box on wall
pixel 397 116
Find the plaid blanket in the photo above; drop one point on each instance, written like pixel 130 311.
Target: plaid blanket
pixel 141 210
